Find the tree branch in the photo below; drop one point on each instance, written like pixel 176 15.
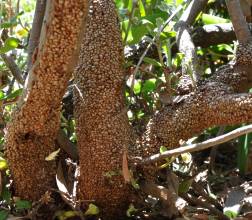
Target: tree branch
pixel 240 26
pixel 199 146
pixel 217 101
pixel 35 31
pixel 13 67
pixel 184 39
pixel 31 134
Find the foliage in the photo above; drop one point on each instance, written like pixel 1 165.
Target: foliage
pixel 152 87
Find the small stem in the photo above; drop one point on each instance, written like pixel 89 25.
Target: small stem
pixel 130 21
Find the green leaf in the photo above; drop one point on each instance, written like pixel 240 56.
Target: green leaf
pixel 22 204
pixel 212 19
pixel 1 95
pixel 131 210
pixel 162 149
pixel 3 164
pixel 52 155
pixel 231 214
pixel 137 87
pixel 178 59
pixel 185 185
pixel 134 183
pixel 149 85
pixel 92 210
pixel 10 44
pixel 13 95
pixel 152 61
pixel 6 194
pixel 141 8
pixel 4 214
pixel 64 215
pixel 243 151
pixel 110 174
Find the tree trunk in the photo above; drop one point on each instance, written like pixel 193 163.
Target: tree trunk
pixel 103 131
pixel 31 133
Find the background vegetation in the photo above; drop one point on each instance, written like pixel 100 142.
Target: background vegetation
pixel 153 64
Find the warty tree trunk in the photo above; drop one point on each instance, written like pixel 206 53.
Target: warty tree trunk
pixel 103 130
pixel 31 134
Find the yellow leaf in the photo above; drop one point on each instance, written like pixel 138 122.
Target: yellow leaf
pixel 52 155
pixel 3 164
pixel 22 32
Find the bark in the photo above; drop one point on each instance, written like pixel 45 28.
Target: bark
pixel 217 101
pixel 103 132
pixel 31 133
pixel 36 30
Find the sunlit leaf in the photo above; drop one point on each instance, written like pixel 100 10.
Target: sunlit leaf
pixel 13 95
pixel 186 157
pixel 212 19
pixel 22 32
pixel 231 214
pixel 149 85
pixel 141 8
pixel 3 164
pixel 52 155
pixel 92 210
pixel 64 215
pixel 137 87
pixel 10 44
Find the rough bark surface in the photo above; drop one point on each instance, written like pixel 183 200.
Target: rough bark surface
pixel 31 133
pixel 102 125
pixel 217 101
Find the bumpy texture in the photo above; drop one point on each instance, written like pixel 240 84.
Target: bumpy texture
pixel 103 132
pixel 215 102
pixel 32 131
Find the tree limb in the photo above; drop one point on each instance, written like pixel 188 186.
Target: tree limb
pixel 31 134
pixel 13 67
pixel 184 39
pixel 217 101
pixel 199 146
pixel 35 31
pixel 240 26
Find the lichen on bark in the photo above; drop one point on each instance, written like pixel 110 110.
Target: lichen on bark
pixel 103 131
pixel 31 134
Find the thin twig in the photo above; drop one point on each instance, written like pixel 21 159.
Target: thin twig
pixel 13 67
pixel 151 43
pixel 199 146
pixel 130 21
pixel 191 199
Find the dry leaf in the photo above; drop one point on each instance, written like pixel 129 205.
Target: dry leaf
pixel 125 168
pixel 52 155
